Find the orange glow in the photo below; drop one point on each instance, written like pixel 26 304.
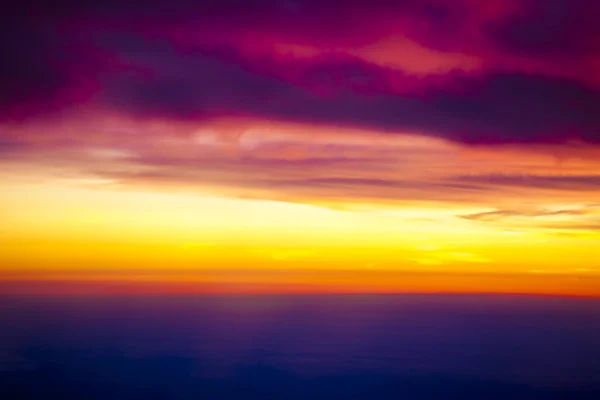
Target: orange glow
pixel 88 235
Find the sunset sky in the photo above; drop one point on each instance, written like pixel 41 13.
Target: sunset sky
pixel 300 146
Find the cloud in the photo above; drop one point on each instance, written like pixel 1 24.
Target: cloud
pixel 28 71
pixel 556 222
pixel 192 61
pixel 592 227
pixel 553 29
pixel 489 108
pixel 284 180
pixel 501 214
pixel 490 215
pixel 154 81
pixel 555 182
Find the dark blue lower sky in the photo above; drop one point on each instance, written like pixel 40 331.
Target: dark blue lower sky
pixel 300 347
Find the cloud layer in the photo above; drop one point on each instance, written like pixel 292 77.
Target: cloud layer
pixel 462 102
pixel 308 62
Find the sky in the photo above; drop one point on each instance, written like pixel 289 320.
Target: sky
pixel 300 146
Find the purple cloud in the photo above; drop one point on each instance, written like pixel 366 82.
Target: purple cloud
pixel 124 57
pixel 554 29
pixel 488 108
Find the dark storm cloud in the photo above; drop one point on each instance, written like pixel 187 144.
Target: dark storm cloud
pixel 550 28
pixel 29 70
pixel 121 54
pixel 493 108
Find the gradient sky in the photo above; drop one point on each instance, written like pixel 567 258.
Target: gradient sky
pixel 381 146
